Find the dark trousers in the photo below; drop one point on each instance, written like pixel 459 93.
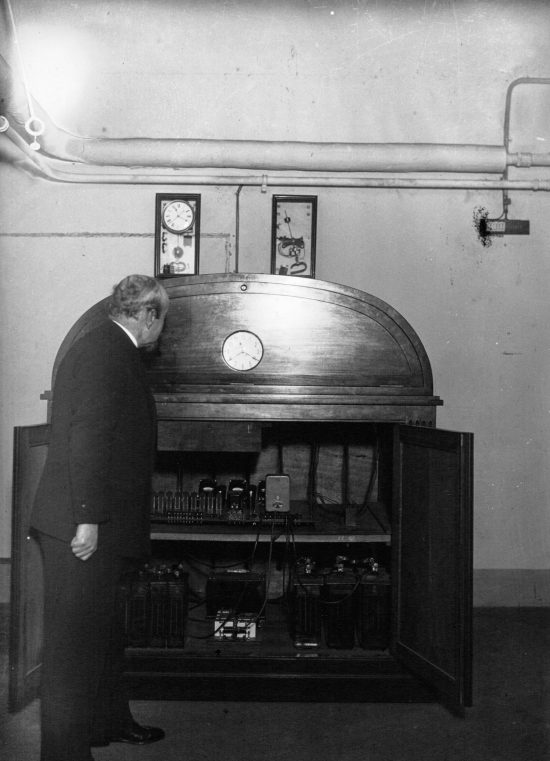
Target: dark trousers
pixel 82 696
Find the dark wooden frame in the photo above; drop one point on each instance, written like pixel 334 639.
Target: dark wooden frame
pixel 432 543
pixel 309 256
pixel 195 200
pixel 30 449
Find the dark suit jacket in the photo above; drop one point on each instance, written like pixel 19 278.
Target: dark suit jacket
pixel 102 444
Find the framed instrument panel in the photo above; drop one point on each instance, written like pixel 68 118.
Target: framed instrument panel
pixel 177 234
pixel 293 235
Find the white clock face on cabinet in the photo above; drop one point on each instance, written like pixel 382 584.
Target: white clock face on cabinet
pixel 242 350
pixel 178 216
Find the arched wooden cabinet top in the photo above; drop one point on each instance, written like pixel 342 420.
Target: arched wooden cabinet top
pixel 330 352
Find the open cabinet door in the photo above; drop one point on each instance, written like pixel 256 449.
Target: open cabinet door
pixel 30 449
pixel 432 551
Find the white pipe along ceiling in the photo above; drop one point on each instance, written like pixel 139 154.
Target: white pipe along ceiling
pixel 45 150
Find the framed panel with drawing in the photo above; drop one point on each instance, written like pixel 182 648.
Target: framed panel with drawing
pixel 293 231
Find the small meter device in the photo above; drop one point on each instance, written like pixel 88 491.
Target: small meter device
pixel 277 494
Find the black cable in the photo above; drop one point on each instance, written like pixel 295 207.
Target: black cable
pixel 370 487
pixel 374 471
pixel 312 473
pixel 296 574
pixel 232 614
pixel 280 463
pixel 345 474
pixel 346 596
pixel 268 575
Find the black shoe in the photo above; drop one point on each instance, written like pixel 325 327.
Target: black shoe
pixel 135 735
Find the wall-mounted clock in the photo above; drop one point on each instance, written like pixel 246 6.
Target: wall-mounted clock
pixel 242 350
pixel 177 234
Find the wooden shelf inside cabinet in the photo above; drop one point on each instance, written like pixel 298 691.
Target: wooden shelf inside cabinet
pixel 167 532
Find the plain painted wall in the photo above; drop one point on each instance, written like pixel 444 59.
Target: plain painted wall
pixel 348 71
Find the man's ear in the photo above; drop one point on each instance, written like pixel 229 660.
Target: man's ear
pixel 150 317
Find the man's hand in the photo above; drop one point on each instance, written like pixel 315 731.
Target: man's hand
pixel 84 542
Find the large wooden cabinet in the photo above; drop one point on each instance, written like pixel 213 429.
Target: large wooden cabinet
pixel 341 372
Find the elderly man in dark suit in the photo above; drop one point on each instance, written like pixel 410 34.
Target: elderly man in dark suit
pixel 92 514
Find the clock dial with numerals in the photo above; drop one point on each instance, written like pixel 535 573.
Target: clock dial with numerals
pixel 178 216
pixel 242 350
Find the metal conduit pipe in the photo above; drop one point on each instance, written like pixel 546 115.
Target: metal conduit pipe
pixel 508 105
pixel 170 153
pixel 293 156
pixel 60 171
pixel 282 156
pixel 521 159
pixel 177 155
pixel 278 156
pixel 310 182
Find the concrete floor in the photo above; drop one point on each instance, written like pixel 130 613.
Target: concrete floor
pixel 510 719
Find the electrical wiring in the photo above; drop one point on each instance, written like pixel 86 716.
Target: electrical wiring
pixel 374 472
pixel 312 473
pixel 286 561
pixel 372 478
pixel 347 596
pixel 194 563
pixel 345 474
pixel 212 567
pixel 304 589
pixel 230 615
pixel 295 565
pixel 268 575
pixel 291 578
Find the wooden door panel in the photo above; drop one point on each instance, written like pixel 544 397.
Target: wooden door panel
pixel 30 449
pixel 433 559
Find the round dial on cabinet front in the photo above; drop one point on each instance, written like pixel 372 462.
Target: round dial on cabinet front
pixel 242 350
pixel 178 216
